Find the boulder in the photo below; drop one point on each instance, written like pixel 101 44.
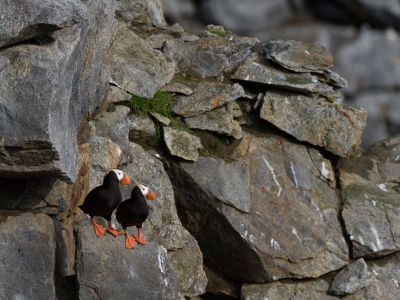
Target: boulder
pixel 136 67
pixel 182 144
pixel 206 97
pixel 335 127
pixel 142 129
pixel 163 225
pixel 269 199
pixel 209 56
pixel 147 11
pixel 298 56
pixel 50 82
pixel 350 279
pixel 265 74
pixel 219 120
pixel 28 256
pixel 370 191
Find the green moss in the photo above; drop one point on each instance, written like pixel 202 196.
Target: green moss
pixel 295 79
pixel 177 123
pixel 218 32
pixel 161 104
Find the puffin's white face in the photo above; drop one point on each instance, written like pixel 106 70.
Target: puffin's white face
pixel 119 173
pixel 144 189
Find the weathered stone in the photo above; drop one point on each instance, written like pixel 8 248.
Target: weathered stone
pixel 218 120
pixel 298 56
pixel 103 155
pixel 163 225
pixel 335 79
pixel 115 94
pixel 148 11
pixel 335 127
pixel 60 79
pixel 177 87
pixel 221 287
pixel 142 129
pixel 28 256
pixel 349 280
pixel 206 97
pixel 234 109
pixel 211 55
pixel 269 202
pixel 113 124
pixel 145 267
pixel 136 67
pixel 160 118
pixel 371 210
pixel 182 144
pixel 252 71
pixel 383 281
pixel 315 289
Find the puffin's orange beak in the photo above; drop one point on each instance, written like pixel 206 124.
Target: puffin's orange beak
pixel 126 180
pixel 151 196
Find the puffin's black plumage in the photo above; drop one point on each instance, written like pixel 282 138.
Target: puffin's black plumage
pixel 133 211
pixel 104 199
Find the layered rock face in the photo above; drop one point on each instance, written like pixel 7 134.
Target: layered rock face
pixel 262 189
pixel 54 70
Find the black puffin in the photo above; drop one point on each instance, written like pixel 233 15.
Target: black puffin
pixel 133 212
pixel 104 199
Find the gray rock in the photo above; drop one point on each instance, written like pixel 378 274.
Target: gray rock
pixel 145 267
pixel 206 97
pixel 298 56
pixel 148 11
pixel 163 225
pixel 142 129
pixel 349 280
pixel 182 144
pixel 314 289
pixel 177 87
pixel 114 125
pixel 234 109
pixel 370 192
pixel 383 281
pixel 136 67
pixel 268 200
pixel 115 94
pixel 218 120
pixel 221 287
pixel 335 79
pixel 211 55
pixel 28 256
pixel 335 127
pixel 252 71
pixel 160 118
pixel 103 155
pixel 370 73
pixel 383 115
pixel 60 81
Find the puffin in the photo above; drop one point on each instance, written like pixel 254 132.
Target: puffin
pixel 133 212
pixel 104 199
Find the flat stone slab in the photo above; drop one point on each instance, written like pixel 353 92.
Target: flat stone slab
pixel 255 72
pixel 136 67
pixel 206 97
pixel 182 144
pixel 371 210
pixel 298 56
pixel 218 120
pixel 337 128
pixel 28 256
pixel 209 56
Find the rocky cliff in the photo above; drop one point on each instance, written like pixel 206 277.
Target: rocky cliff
pixel 263 190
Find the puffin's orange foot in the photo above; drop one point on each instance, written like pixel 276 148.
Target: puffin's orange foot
pixel 99 230
pixel 114 232
pixel 140 239
pixel 130 242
